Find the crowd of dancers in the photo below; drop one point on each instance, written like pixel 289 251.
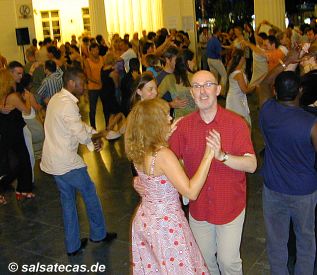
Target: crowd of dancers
pixel 153 92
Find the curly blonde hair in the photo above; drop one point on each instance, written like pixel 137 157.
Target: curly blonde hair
pixel 6 83
pixel 147 129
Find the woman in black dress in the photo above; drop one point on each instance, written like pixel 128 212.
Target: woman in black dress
pixel 11 130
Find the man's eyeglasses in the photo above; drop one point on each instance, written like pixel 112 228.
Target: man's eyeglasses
pixel 207 86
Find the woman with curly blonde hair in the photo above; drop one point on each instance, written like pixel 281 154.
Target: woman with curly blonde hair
pixel 162 241
pixel 11 131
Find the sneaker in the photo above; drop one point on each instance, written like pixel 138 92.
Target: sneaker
pixel 111 135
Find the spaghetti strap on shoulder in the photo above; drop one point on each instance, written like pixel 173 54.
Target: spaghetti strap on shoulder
pixel 153 164
pixel 5 100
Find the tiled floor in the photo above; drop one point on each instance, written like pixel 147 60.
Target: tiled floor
pixel 31 232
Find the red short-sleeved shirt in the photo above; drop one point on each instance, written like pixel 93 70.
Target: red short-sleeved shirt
pixel 223 196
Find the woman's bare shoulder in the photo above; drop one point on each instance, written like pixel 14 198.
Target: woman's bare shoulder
pixel 13 97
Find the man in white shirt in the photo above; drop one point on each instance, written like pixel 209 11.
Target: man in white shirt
pixel 127 55
pixel 64 130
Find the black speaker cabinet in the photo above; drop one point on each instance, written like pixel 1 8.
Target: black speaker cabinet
pixel 23 37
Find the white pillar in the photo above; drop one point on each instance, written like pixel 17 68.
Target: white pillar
pixel 97 13
pixel 271 10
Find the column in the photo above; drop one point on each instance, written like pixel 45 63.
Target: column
pixel 98 18
pixel 271 10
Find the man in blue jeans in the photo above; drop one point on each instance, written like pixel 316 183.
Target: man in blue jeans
pixel 290 179
pixel 64 131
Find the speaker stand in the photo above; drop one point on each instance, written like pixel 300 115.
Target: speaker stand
pixel 23 54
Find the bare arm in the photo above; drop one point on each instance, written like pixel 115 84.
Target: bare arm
pixel 46 100
pixel 159 50
pixel 277 29
pixel 314 136
pixel 6 109
pixel 258 39
pixel 15 100
pixel 229 47
pixel 265 90
pixel 242 84
pixel 33 102
pixel 253 47
pixel 169 165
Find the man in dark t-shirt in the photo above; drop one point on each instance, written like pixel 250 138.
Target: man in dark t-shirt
pixel 290 179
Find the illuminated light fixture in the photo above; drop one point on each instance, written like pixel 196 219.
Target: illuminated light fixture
pixel 307 21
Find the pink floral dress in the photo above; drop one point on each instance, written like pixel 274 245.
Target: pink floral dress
pixel 162 242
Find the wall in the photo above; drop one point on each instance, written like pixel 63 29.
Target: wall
pixel 70 15
pixel 180 14
pixel 176 13
pixel 10 19
pixel 126 16
pixel 271 10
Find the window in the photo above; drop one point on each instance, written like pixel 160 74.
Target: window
pixel 86 19
pixel 51 24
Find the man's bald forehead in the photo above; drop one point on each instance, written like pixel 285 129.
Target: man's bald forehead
pixel 203 76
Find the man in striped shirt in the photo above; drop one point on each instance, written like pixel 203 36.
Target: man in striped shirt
pixel 52 83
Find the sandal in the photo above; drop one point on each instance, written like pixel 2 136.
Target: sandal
pixel 2 200
pixel 19 196
pixel 29 195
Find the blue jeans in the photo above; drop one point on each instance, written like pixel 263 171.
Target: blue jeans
pixel 278 210
pixel 68 184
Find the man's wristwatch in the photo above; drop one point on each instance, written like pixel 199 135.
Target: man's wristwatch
pixel 225 157
pixel 283 64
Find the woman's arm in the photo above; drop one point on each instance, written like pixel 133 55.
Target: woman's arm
pixel 242 84
pixel 253 47
pixel 15 100
pixel 160 50
pixel 258 39
pixel 169 165
pixel 33 101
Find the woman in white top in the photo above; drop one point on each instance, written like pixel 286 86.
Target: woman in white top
pixel 184 69
pixel 260 66
pixel 238 88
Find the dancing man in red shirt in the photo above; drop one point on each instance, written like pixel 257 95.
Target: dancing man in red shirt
pixel 216 217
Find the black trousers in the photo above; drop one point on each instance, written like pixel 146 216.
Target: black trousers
pixel 93 99
pixel 18 164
